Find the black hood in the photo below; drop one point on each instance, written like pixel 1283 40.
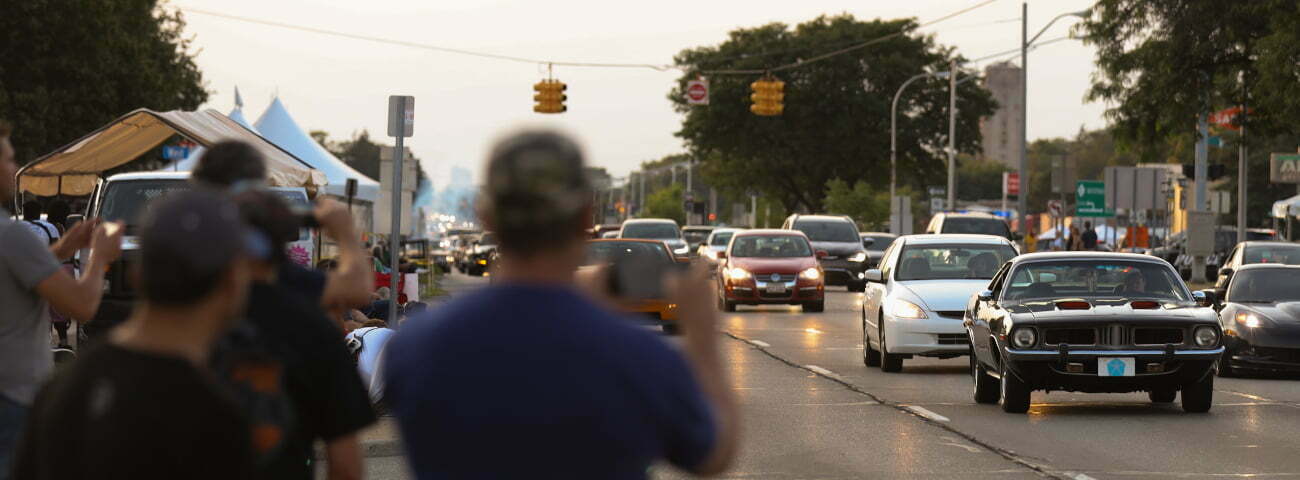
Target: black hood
pixel 839 249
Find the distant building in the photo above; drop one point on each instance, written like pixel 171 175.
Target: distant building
pixel 1001 131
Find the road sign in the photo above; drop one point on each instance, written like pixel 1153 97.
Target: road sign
pixel 1011 183
pixel 1227 118
pixel 1054 208
pixel 1090 199
pixel 1284 168
pixel 697 92
pixel 401 115
pixel 175 153
pixel 1062 174
pixel 1200 233
pixel 936 205
pixel 1134 188
pixel 937 191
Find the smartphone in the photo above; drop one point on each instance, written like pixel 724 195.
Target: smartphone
pixel 633 277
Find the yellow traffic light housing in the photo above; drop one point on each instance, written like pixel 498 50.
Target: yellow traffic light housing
pixel 550 96
pixel 768 96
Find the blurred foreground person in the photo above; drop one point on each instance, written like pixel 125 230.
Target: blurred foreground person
pixel 31 283
pixel 287 343
pixel 142 404
pixel 531 378
pixel 237 166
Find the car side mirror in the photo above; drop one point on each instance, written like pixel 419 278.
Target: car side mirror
pixel 985 296
pixel 1225 271
pixel 1205 298
pixel 873 275
pixel 821 253
pixel 868 242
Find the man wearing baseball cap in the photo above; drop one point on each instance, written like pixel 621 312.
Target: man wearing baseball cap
pixel 142 404
pixel 530 377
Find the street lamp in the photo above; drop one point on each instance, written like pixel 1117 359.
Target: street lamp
pixel 1022 203
pixel 952 126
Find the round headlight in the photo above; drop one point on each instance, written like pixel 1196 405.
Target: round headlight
pixel 1024 337
pixel 1206 336
pixel 810 274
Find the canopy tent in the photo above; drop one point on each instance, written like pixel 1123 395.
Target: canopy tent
pixel 190 161
pixel 278 126
pixel 1289 207
pixel 74 169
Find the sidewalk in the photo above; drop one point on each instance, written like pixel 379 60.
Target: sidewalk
pixel 378 440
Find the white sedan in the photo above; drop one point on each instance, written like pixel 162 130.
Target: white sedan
pixel 914 301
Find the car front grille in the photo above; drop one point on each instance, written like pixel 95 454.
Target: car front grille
pixel 1157 336
pixel 953 339
pixel 951 313
pixel 1114 335
pixel 767 277
pixel 1288 355
pixel 1070 336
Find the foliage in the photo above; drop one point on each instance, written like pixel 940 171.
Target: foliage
pixel 362 154
pixel 869 207
pixel 72 66
pixel 1091 150
pixel 836 120
pixel 666 203
pixel 1162 63
pixel 979 180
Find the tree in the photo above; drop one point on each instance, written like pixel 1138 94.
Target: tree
pixel 836 119
pixel 1163 63
pixel 362 154
pixel 69 67
pixel 868 207
pixel 666 203
pixel 979 180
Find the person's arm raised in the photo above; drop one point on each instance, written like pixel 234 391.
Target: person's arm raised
pixel 80 297
pixel 694 294
pixel 349 285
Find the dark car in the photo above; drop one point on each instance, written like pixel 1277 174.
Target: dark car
pixel 695 236
pixel 1091 322
pixel 770 267
pixel 478 257
pixel 876 243
pixel 1247 253
pixel 1224 239
pixel 845 258
pixel 1260 317
pixel 978 223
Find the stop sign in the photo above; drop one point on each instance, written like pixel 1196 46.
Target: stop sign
pixel 697 92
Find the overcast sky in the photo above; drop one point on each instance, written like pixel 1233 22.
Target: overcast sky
pixel 622 116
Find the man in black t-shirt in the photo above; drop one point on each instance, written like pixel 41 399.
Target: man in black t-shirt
pixel 143 405
pixel 287 364
pixel 1089 237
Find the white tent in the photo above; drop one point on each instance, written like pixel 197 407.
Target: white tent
pixel 186 164
pixel 278 126
pixel 1289 207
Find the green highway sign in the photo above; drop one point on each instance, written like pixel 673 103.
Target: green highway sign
pixel 1090 199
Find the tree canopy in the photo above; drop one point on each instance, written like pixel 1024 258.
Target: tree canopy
pixel 836 120
pixel 69 67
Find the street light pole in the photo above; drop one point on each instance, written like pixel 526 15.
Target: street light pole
pixel 952 134
pixel 893 144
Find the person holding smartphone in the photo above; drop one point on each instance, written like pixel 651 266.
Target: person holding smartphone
pixel 532 374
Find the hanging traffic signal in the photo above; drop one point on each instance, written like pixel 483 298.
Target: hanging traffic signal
pixel 550 96
pixel 768 96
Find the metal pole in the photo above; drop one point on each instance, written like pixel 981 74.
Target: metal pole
pixel 1202 163
pixel 895 217
pixel 640 204
pixel 753 211
pixel 952 134
pixel 1241 178
pixel 394 231
pixel 1022 200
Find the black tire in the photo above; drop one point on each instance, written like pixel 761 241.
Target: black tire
pixel 815 307
pixel 857 286
pixel 889 362
pixel 870 356
pixel 985 388
pixel 1162 396
pixel 1199 396
pixel 1013 393
pixel 1225 365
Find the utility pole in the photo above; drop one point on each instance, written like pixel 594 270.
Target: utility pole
pixel 1022 200
pixel 640 205
pixel 1241 167
pixel 753 211
pixel 952 134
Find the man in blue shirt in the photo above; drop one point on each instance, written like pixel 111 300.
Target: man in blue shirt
pixel 530 377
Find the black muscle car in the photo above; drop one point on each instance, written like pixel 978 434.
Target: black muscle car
pixel 1091 322
pixel 1260 317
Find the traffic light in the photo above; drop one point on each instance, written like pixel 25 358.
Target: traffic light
pixel 768 96
pixel 1212 172
pixel 550 96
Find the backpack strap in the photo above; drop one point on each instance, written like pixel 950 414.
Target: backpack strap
pixel 49 237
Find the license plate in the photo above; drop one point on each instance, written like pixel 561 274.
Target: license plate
pixel 776 288
pixel 1115 366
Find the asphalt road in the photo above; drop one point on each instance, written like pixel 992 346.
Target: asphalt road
pixel 812 410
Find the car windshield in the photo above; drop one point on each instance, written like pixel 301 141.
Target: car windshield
pixel 488 239
pixel 721 239
pixel 125 201
pixel 658 231
pixel 1265 285
pixel 771 246
pixel 952 261
pixel 610 252
pixel 881 242
pixel 695 236
pixel 985 226
pixel 828 231
pixel 1284 254
pixel 1095 279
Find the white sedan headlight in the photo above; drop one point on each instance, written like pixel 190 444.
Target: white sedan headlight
pixel 904 309
pixel 737 273
pixel 711 254
pixel 858 257
pixel 811 274
pixel 682 250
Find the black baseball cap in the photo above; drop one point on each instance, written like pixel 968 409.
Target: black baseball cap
pixel 192 236
pixel 535 178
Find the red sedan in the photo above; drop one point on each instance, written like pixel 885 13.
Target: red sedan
pixel 770 267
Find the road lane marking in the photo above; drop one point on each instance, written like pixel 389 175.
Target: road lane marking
pixel 822 371
pixel 922 411
pixel 760 343
pixel 1078 476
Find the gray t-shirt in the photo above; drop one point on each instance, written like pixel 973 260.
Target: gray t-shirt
pixel 25 318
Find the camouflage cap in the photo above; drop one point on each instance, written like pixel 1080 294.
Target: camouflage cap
pixel 535 179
